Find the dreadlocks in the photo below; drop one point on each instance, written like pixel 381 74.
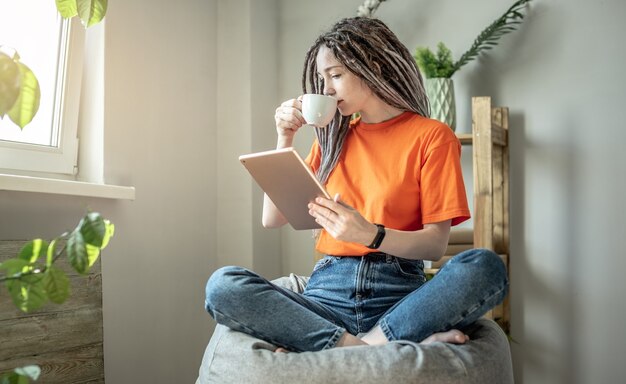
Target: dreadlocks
pixel 368 49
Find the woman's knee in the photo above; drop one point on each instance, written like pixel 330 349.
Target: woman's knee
pixel 483 262
pixel 222 285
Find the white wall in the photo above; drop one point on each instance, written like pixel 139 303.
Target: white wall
pixel 160 119
pixel 562 77
pixel 174 128
pixel 182 94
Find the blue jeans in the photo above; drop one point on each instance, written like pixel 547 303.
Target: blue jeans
pixel 354 294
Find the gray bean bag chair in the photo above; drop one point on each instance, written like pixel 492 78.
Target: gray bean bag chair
pixel 234 357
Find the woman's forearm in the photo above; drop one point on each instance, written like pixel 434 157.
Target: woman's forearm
pixel 272 218
pixel 426 244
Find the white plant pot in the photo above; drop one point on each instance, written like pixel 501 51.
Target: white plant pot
pixel 440 92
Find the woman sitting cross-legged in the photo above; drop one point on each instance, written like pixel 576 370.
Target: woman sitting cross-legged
pixel 398 186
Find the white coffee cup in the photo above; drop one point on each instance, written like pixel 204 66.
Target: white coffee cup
pixel 318 110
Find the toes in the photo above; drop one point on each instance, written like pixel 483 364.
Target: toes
pixel 453 336
pixel 458 337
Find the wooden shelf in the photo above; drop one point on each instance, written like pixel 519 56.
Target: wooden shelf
pixel 499 136
pixel 490 153
pixel 465 138
pixel 490 168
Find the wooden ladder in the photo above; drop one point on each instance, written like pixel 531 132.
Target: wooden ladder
pixel 490 167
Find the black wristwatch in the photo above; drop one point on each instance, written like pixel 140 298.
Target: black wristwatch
pixel 378 239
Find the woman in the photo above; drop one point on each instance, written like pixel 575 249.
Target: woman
pixel 398 188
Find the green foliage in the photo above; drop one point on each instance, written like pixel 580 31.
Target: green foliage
pixel 30 282
pixel 432 65
pixel 56 284
pixel 28 291
pixel 442 64
pixel 32 279
pixel 10 82
pixel 19 88
pixel 90 11
pixel 21 375
pixel 67 8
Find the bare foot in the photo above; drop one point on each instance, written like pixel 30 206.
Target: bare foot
pixel 348 340
pixel 375 337
pixel 453 336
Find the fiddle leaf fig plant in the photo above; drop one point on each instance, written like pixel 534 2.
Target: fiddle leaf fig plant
pixel 19 88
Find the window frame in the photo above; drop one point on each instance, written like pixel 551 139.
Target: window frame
pixel 61 160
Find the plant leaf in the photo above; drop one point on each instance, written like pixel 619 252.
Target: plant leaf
pixel 33 250
pixel 489 37
pixel 10 82
pixel 57 285
pixel 13 266
pixel 93 228
pixel 12 378
pixel 27 102
pixel 91 11
pixel 77 252
pixel 30 371
pixel 93 253
pixel 110 231
pixel 50 252
pixel 439 65
pixel 67 8
pixel 28 292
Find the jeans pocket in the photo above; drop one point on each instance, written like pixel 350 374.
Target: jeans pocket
pixel 410 268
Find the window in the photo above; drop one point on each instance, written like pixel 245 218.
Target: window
pixel 52 47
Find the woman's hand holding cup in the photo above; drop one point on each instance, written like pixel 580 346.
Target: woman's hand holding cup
pixel 289 119
pixel 312 109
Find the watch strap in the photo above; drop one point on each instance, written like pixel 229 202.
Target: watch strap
pixel 378 239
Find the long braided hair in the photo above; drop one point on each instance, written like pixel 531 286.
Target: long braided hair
pixel 368 49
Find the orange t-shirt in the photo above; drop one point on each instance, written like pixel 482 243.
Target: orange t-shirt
pixel 402 173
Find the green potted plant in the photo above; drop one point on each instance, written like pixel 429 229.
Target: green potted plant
pixel 438 68
pixel 32 278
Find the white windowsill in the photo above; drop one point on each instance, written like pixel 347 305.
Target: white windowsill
pixel 64 187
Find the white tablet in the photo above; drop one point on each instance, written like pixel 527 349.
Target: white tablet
pixel 289 183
